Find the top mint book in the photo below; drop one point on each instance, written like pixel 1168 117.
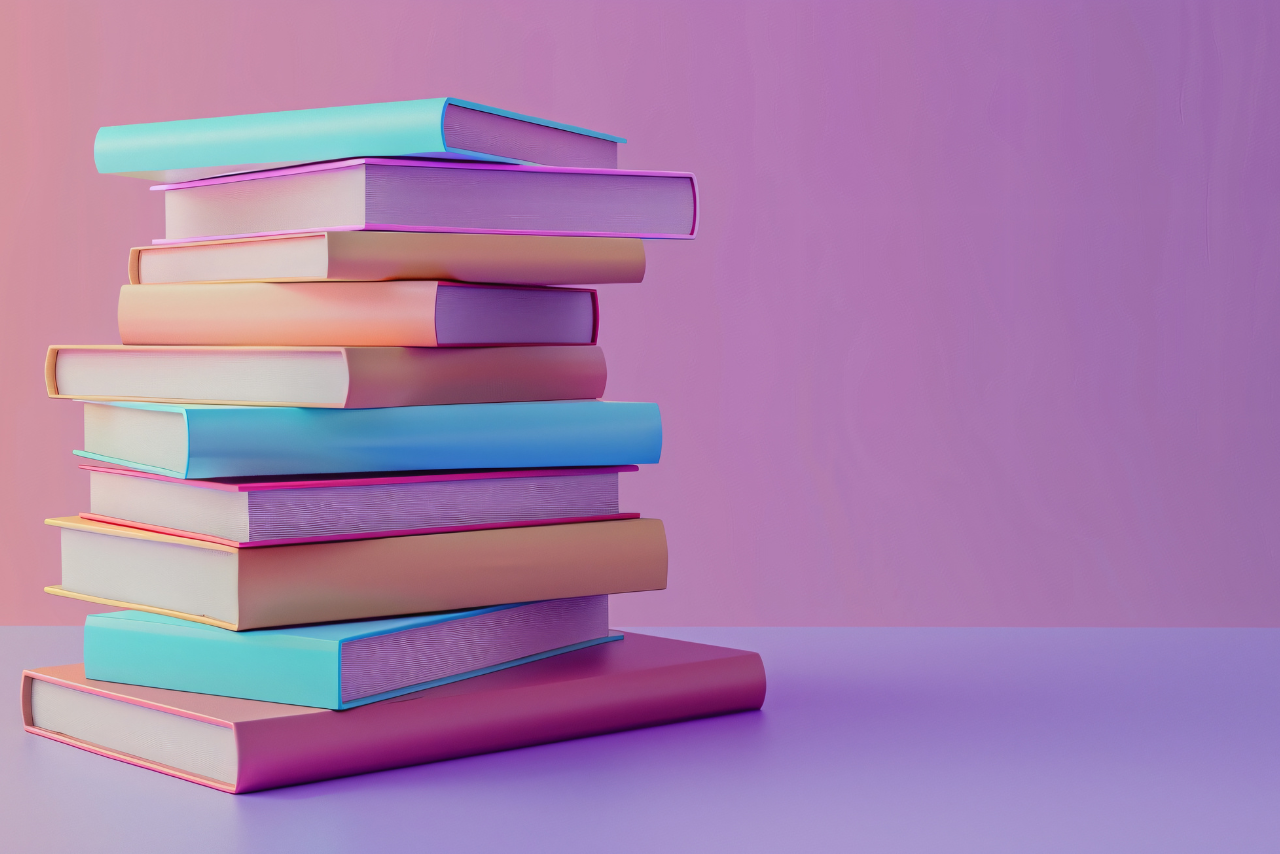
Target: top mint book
pixel 443 128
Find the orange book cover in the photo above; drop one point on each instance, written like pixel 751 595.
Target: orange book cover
pixel 389 576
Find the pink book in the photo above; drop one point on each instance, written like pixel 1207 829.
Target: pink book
pixel 246 745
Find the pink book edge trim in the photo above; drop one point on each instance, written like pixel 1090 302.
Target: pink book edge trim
pixel 373 226
pixel 363 481
pixel 372 535
pixel 130 759
pixel 413 163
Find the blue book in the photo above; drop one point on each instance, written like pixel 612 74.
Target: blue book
pixel 337 665
pixel 444 128
pixel 203 441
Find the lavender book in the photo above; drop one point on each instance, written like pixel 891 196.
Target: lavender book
pixel 376 194
pixel 271 511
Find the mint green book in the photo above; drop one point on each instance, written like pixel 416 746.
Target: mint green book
pixel 440 128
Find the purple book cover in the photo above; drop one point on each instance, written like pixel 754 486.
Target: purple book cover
pixel 253 512
pixel 381 194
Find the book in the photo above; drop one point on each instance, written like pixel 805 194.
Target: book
pixel 434 127
pixel 324 377
pixel 257 512
pixel 260 588
pixel 204 441
pixel 337 665
pixel 356 314
pixel 241 746
pixel 517 259
pixel 379 194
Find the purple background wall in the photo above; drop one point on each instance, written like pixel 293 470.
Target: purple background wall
pixel 980 327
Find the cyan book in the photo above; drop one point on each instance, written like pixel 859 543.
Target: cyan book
pixel 202 441
pixel 445 128
pixel 337 665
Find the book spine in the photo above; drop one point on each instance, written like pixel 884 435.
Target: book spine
pixel 509 259
pixel 251 441
pixel 207 660
pixel 363 314
pixel 361 579
pixel 420 377
pixel 281 752
pixel 329 133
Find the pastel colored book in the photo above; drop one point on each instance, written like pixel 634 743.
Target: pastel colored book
pixel 288 585
pixel 241 746
pixel 324 377
pixel 256 512
pixel 356 314
pixel 378 194
pixel 517 259
pixel 206 441
pixel 339 665
pixel 434 127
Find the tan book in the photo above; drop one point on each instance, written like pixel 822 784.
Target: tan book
pixel 324 377
pixel 258 588
pixel 516 259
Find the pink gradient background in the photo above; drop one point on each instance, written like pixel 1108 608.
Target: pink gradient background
pixel 980 328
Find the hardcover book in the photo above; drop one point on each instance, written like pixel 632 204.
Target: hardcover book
pixel 435 127
pixel 240 746
pixel 203 441
pixel 256 512
pixel 356 314
pixel 258 588
pixel 324 377
pixel 339 665
pixel 375 194
pixel 517 259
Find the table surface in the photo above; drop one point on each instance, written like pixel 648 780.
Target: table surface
pixel 877 740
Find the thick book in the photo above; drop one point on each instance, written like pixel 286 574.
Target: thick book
pixel 241 746
pixel 367 256
pixel 204 441
pixel 356 314
pixel 338 665
pixel 260 588
pixel 258 512
pixel 324 377
pixel 378 194
pixel 434 127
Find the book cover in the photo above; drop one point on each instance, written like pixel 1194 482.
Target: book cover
pixel 238 746
pixel 357 314
pixel 362 256
pixel 379 194
pixel 433 127
pixel 202 441
pixel 337 665
pixel 323 377
pixel 263 512
pixel 255 588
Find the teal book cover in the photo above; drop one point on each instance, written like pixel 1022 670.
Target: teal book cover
pixel 444 128
pixel 337 665
pixel 205 441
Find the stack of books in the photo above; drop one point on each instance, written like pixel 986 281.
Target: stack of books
pixel 349 470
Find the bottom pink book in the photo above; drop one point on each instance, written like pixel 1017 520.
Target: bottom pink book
pixel 245 745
